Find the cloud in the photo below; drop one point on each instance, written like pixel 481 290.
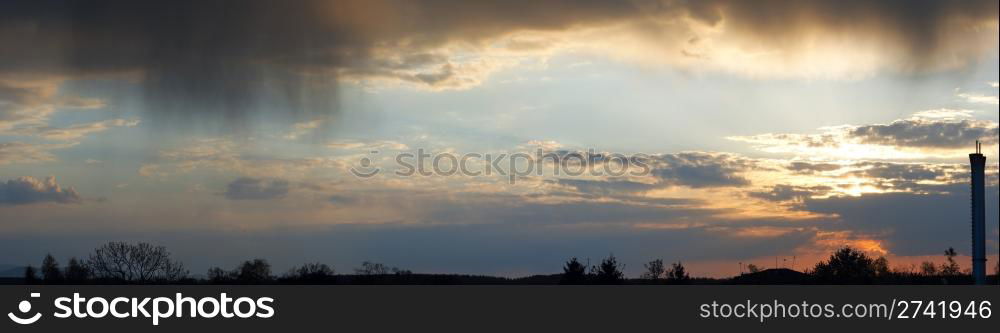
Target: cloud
pixel 73 132
pixel 921 224
pixel 25 153
pixel 783 193
pixel 933 133
pixel 219 60
pixel 900 171
pixel 979 98
pixel 916 178
pixel 369 145
pixel 699 170
pixel 24 105
pixel 245 188
pixel 229 156
pixel 338 199
pixel 302 128
pixel 25 110
pixel 28 190
pixel 811 168
pixel 943 114
pixel 547 145
pixel 606 187
pixel 28 104
pixel 689 169
pixel 928 134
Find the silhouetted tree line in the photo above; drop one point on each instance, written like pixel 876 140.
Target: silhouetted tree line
pixel 851 266
pixel 142 263
pixel 609 271
pixel 114 262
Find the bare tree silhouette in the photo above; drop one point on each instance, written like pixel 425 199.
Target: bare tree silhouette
pixel 311 272
pixel 219 276
pixel 654 270
pixel 136 263
pixel 928 268
pixel 372 268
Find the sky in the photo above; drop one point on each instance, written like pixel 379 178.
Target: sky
pixel 771 131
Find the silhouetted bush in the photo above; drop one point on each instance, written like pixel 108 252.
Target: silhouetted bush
pixel 881 267
pixel 50 270
pixel 254 271
pixel 30 276
pixel 574 273
pixel 218 275
pixel 378 273
pixel 311 273
pixel 654 270
pixel 928 268
pixel 372 268
pixel 678 274
pixel 608 272
pixel 846 266
pixel 950 267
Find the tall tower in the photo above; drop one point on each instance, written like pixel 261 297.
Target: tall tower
pixel 978 163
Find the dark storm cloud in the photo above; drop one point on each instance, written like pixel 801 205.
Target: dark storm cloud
pixel 28 190
pixel 209 58
pixel 228 58
pixel 923 29
pixel 928 134
pixel 245 188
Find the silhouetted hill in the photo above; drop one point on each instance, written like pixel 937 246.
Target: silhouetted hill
pixel 11 271
pixel 773 276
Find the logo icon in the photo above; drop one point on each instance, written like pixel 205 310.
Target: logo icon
pixel 25 307
pixel 366 170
